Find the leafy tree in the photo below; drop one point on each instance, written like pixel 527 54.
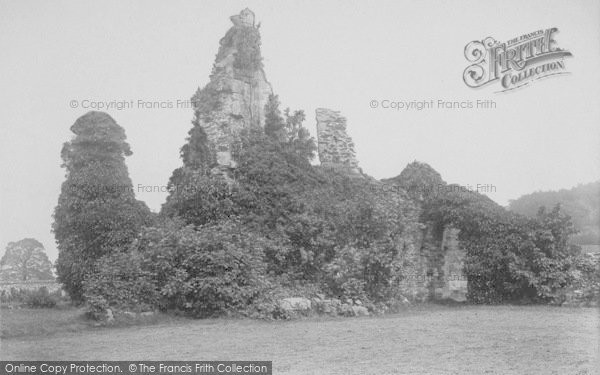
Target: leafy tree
pixel 25 260
pixel 199 197
pixel 549 263
pixel 287 129
pixel 298 138
pixel 269 171
pixel 274 122
pixel 196 154
pixel 97 212
pixel 272 164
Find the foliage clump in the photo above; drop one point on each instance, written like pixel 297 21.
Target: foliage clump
pixel 39 297
pixel 97 212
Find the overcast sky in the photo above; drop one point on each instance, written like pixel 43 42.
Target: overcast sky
pixel 335 54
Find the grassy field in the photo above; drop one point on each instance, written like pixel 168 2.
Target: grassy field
pixel 422 340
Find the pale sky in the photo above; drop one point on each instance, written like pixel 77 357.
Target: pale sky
pixel 334 54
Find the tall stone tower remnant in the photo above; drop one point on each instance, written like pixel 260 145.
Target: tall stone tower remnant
pixel 335 147
pixel 238 90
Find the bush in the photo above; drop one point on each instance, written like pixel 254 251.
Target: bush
pixel 120 283
pixel 12 295
pixel 34 298
pixel 587 280
pixel 41 298
pixel 370 275
pixel 211 270
pixel 203 271
pixel 199 198
pixel 206 271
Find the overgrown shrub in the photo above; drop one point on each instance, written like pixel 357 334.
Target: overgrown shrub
pixel 13 295
pixel 120 283
pixel 587 278
pixel 521 260
pixel 34 298
pixel 370 275
pixel 205 271
pixel 199 198
pixel 41 298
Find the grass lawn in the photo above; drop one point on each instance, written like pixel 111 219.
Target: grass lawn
pixel 422 340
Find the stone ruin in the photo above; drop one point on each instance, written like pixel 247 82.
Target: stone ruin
pixel 335 147
pixel 242 95
pixel 437 271
pixel 245 18
pixel 454 282
pixel 242 100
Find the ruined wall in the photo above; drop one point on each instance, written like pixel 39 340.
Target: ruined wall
pixel 437 268
pixel 435 262
pixel 417 280
pixel 455 281
pixel 238 90
pixel 445 261
pixel 335 146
